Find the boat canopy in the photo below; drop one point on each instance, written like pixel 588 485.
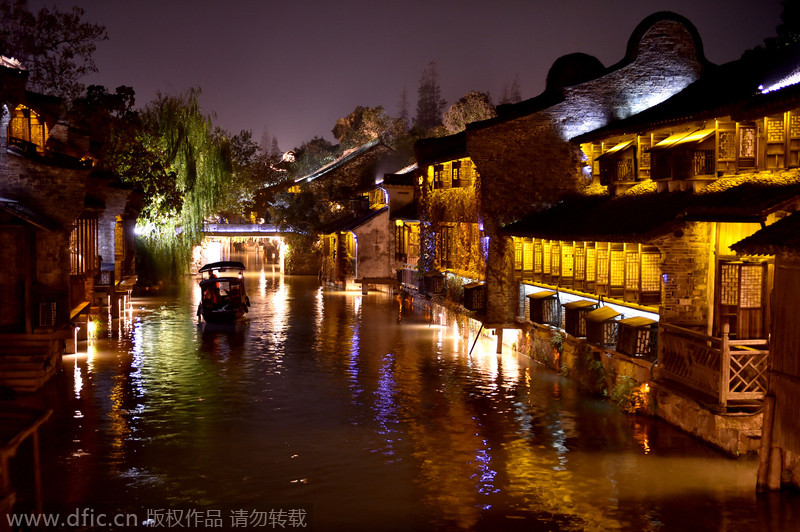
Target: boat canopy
pixel 222 265
pixel 213 268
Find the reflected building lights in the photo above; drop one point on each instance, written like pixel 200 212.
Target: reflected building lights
pixel 77 380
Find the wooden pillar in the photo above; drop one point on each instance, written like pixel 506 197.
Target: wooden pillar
pixel 762 478
pixel 724 366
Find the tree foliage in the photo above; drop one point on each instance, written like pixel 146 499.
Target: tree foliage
pixel 191 162
pixel 55 47
pixel 366 124
pixel 472 107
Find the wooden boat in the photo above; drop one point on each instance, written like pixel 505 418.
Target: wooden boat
pixel 223 295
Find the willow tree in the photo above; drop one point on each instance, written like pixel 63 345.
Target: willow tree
pixel 190 164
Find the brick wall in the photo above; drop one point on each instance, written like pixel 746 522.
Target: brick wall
pixel 685 265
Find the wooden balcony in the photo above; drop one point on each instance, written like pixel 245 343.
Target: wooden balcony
pixel 728 371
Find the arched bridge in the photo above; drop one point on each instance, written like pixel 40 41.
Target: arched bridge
pixel 233 230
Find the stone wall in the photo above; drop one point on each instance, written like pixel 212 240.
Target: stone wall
pixel 375 247
pixel 57 191
pixel 629 383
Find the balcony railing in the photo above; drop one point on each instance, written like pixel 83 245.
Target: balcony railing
pixel 727 370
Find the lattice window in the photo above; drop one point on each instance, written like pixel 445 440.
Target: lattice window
pixel 567 260
pixel 617 268
pixel 751 283
pixel 727 144
pixel 729 284
pixel 518 254
pixel 632 270
pixel 537 256
pixel 794 140
pixel 591 264
pixel 555 259
pixel 527 255
pixel 775 130
pixel 644 153
pixel 602 265
pixel 579 256
pixel 651 274
pixel 747 142
pixel 546 257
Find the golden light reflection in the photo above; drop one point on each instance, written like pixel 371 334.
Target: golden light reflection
pixel 118 425
pixel 77 380
pixel 319 303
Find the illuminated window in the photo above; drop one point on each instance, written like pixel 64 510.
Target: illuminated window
pixel 747 146
pixel 651 273
pixel 555 259
pixel 27 128
pixel 537 256
pixel 632 270
pixel 527 255
pixel 794 140
pixel 546 257
pixel 438 170
pixel 579 255
pixel 591 263
pixel 616 269
pixel 518 251
pixel 457 174
pixel 567 260
pixel 602 264
pixel 776 139
pixel 83 246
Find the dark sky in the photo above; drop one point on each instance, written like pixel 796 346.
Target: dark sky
pixel 292 67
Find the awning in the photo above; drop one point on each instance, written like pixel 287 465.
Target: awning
pixel 616 150
pixel 29 215
pixel 682 139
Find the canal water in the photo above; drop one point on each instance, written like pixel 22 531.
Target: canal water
pixel 343 411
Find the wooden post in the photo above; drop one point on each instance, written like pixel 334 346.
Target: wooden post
pixel 725 366
pixel 762 478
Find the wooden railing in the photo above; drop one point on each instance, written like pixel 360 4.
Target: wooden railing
pixel 728 370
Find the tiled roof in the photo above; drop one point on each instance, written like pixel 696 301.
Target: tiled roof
pixel 781 237
pixel 642 213
pixel 440 149
pixel 348 158
pixel 636 216
pixel 745 198
pixel 350 222
pixel 28 214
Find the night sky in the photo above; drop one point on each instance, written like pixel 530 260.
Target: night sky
pixel 292 67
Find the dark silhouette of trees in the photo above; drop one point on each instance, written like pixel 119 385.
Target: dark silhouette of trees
pixel 512 94
pixel 55 47
pixel 430 104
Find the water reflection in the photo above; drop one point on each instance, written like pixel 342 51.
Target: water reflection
pixel 373 414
